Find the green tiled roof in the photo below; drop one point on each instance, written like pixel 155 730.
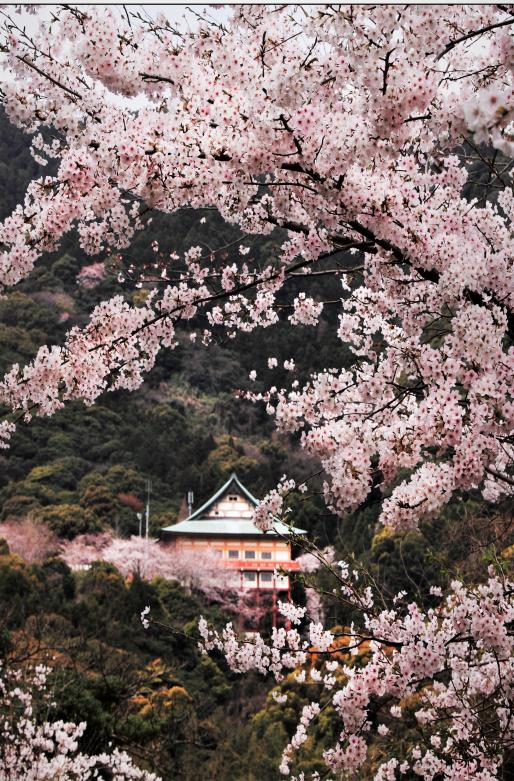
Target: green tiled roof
pixel 224 527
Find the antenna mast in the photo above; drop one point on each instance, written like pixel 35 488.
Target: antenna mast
pixel 147 514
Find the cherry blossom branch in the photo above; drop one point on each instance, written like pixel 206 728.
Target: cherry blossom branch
pixel 474 34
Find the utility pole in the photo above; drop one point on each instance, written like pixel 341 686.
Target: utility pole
pixel 147 519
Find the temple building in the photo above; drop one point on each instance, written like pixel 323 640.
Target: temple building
pixel 224 527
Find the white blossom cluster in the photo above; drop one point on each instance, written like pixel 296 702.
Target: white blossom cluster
pixel 43 750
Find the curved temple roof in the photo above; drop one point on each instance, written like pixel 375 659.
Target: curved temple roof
pixel 197 523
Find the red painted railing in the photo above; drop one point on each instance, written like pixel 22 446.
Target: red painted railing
pixel 258 565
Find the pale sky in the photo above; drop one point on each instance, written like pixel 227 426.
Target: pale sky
pixel 175 12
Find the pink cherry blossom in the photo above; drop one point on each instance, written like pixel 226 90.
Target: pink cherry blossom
pixel 343 126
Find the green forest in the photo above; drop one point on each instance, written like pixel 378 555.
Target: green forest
pixel 84 470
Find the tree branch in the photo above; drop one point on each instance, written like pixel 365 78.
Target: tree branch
pixel 473 34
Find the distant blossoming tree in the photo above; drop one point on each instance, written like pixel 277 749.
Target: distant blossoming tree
pixel 91 276
pixel 32 540
pixel 148 559
pixel 347 127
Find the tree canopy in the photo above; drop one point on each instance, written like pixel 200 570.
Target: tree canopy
pixel 372 148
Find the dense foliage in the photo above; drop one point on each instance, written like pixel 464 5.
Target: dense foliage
pixel 148 691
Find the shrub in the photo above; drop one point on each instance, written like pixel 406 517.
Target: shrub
pixel 68 520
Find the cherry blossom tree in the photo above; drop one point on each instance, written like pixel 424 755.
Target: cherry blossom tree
pixel 454 662
pixel 91 276
pixel 80 552
pixel 29 539
pixel 347 128
pixel 339 126
pixel 44 750
pixel 149 559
